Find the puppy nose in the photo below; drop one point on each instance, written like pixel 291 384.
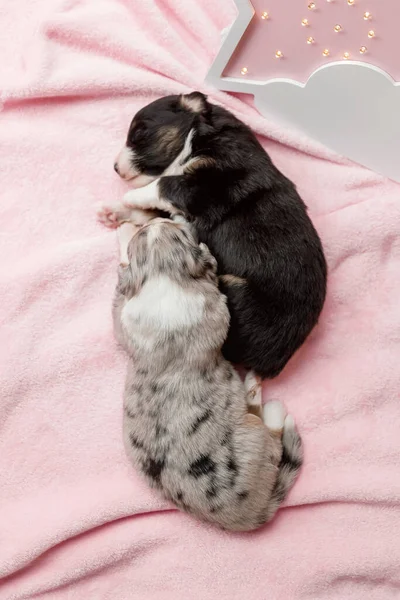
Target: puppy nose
pixel 116 168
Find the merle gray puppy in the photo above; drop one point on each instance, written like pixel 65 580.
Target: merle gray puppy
pixel 191 426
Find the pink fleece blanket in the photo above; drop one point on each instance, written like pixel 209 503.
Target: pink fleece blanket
pixel 76 522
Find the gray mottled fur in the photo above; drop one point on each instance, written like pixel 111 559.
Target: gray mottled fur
pixel 186 420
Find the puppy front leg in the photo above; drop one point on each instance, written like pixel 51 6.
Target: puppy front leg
pixel 148 198
pixel 119 302
pixel 125 288
pixel 114 214
pixel 125 233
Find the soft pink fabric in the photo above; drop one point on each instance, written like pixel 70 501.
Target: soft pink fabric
pixel 76 522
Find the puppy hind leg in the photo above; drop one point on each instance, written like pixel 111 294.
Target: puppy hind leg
pixel 274 415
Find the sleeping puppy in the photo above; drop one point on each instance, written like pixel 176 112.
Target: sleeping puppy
pixel 190 424
pixel 197 159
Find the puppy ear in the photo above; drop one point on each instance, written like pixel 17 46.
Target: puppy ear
pixel 209 261
pixel 201 263
pixel 196 102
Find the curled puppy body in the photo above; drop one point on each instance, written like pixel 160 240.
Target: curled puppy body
pixel 190 423
pixel 213 170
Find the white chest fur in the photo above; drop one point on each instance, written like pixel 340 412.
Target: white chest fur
pixel 163 305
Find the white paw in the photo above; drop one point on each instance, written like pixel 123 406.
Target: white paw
pixel 274 415
pixel 109 215
pixel 144 197
pixel 289 424
pixel 132 199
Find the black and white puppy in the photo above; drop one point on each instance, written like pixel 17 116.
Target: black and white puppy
pixel 197 159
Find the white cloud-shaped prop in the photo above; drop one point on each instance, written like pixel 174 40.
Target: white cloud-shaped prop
pixel 351 107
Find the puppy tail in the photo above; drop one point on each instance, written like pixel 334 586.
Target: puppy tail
pixel 289 466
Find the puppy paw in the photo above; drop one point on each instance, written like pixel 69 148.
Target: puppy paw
pixel 112 215
pixel 289 424
pixel 274 415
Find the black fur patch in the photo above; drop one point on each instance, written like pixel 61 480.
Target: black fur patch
pixel 211 493
pixel 154 468
pixel 227 438
pixel 135 442
pixel 213 490
pixel 202 466
pixel 293 462
pixel 232 466
pixel 200 420
pixel 242 495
